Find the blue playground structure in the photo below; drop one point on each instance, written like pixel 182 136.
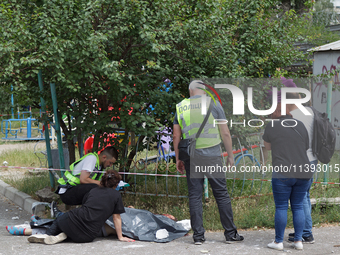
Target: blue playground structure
pixel 11 131
pixel 11 127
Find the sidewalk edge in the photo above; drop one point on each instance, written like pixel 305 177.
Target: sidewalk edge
pixel 20 198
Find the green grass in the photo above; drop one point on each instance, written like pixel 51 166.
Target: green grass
pixel 19 157
pixel 254 206
pixel 30 183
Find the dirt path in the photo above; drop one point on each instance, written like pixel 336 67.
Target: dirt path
pixel 21 146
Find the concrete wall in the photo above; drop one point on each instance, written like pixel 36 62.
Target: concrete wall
pixel 327 61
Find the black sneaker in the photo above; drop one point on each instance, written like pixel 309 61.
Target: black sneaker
pixel 291 234
pixel 199 241
pixel 309 239
pixel 55 212
pixel 235 239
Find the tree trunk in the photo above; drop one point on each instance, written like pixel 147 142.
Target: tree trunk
pixel 131 155
pixel 69 138
pixel 71 151
pixel 80 143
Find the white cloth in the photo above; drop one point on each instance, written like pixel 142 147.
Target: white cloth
pixel 185 224
pixel 308 121
pixel 162 233
pixel 87 164
pixel 39 231
pixel 123 184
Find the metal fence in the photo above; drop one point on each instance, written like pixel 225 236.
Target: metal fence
pixel 153 172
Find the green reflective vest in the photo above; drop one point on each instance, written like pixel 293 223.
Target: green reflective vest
pixel 74 180
pixel 190 119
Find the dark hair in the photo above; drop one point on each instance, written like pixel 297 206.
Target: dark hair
pixel 291 95
pixel 110 151
pixel 110 179
pixel 277 113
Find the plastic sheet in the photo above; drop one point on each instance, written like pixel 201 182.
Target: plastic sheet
pixel 39 207
pixel 41 223
pixel 143 225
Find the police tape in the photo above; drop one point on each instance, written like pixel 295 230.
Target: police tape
pixel 63 170
pixel 148 174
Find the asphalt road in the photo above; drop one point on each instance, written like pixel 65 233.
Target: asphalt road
pixel 255 241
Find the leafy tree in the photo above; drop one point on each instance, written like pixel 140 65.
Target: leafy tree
pixel 5 108
pixel 324 14
pixel 108 57
pixel 299 6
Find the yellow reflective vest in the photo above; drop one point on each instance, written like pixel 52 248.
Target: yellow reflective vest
pixel 70 178
pixel 190 118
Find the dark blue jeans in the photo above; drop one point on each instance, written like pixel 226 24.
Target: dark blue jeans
pixel 307 208
pixel 218 185
pixel 292 189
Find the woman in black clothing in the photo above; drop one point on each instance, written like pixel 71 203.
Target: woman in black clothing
pixel 288 140
pixel 86 223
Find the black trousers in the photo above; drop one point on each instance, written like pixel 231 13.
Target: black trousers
pixel 75 194
pixel 195 183
pixel 55 229
pixel 64 224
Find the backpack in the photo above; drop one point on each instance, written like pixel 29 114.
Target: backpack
pixel 323 142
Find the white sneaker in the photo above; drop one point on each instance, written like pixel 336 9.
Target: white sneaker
pixel 276 246
pixel 55 239
pixel 298 245
pixel 37 238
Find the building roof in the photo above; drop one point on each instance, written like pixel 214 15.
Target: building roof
pixel 327 47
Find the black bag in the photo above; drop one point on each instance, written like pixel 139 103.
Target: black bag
pixel 187 146
pixel 323 142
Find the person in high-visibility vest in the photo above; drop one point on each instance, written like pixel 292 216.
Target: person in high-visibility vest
pixel 206 159
pixel 84 175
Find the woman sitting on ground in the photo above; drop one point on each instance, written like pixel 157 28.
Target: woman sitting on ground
pixel 288 141
pixel 86 223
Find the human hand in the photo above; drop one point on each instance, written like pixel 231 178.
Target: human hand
pixel 180 166
pixel 230 160
pixel 126 239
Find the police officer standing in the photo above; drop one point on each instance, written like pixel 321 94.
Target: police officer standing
pixel 207 155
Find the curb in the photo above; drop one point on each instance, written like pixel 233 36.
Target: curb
pixel 20 198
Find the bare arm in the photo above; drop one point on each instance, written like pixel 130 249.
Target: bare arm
pixel 176 136
pixel 117 220
pixel 228 144
pixel 85 178
pixel 267 145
